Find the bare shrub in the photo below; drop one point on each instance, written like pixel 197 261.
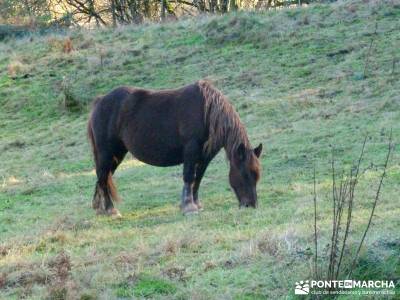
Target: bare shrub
pixel 55 43
pixel 67 45
pixel 60 44
pixel 72 99
pixel 343 196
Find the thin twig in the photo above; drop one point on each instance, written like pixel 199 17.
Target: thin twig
pixel 352 185
pixel 338 224
pixel 315 229
pixel 334 213
pixel 361 156
pixel 369 49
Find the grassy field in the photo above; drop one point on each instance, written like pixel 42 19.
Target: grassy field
pixel 302 80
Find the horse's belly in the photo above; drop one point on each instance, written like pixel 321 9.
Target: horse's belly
pixel 153 136
pixel 158 157
pixel 156 147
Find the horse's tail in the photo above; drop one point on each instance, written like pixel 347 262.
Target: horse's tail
pixel 91 136
pixel 112 189
pixel 110 183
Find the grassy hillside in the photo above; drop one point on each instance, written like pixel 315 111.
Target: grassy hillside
pixel 302 80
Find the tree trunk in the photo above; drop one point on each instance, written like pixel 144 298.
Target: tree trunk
pixel 147 10
pixel 163 9
pixel 224 6
pixel 232 5
pixel 114 16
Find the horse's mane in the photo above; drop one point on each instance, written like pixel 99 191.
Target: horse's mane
pixel 223 122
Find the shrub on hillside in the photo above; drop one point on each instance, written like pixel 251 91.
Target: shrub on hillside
pixel 10 31
pixel 72 97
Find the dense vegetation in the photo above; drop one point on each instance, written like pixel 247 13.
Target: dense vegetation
pixel 66 13
pixel 302 80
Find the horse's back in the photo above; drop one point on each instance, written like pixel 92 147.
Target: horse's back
pixel 157 124
pixel 169 109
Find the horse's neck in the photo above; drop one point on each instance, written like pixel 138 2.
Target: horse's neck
pixel 235 137
pixel 225 129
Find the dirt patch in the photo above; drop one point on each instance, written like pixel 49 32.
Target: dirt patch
pixel 175 273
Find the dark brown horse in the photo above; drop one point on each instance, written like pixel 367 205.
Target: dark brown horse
pixel 188 125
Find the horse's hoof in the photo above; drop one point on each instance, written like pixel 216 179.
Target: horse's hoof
pixel 199 205
pixel 190 209
pixel 114 213
pixel 100 212
pixel 191 213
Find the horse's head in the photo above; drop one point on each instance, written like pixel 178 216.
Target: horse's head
pixel 244 173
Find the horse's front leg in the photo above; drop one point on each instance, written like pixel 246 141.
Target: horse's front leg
pixel 191 154
pixel 200 170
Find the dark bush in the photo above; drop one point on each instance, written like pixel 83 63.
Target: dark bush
pixel 7 31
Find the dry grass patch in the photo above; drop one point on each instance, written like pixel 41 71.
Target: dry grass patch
pixel 175 272
pixel 188 242
pixel 17 68
pixel 60 44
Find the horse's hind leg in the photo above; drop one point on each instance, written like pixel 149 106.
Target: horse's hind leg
pixel 105 190
pixel 118 157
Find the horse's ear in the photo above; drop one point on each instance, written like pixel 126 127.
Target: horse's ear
pixel 257 151
pixel 241 152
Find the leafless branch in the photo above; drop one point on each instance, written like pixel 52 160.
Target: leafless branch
pixel 315 229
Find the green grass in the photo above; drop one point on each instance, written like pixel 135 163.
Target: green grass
pixel 296 77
